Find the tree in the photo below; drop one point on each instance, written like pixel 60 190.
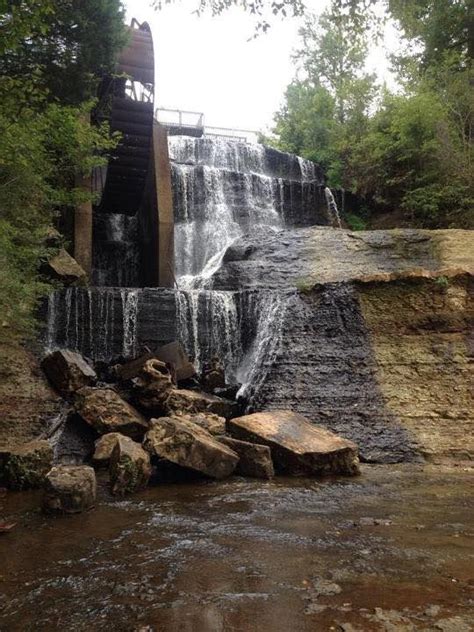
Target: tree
pixel 65 46
pixel 325 113
pixel 434 28
pixel 44 141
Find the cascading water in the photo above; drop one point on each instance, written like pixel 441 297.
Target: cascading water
pixel 116 252
pixel 332 207
pixel 222 190
pixel 225 188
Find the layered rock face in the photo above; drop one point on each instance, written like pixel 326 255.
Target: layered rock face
pixel 375 345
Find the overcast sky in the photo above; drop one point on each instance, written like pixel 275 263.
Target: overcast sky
pixel 210 65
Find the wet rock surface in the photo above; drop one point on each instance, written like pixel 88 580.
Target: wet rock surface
pixel 297 446
pixel 25 465
pixel 308 257
pixel 254 460
pixel 241 555
pixel 68 371
pixel 103 448
pixel 189 446
pixel 129 468
pixel 187 401
pixel 69 489
pixel 106 411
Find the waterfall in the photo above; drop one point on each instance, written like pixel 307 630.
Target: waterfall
pixel 269 310
pixel 225 188
pixel 332 206
pixel 116 252
pixel 208 324
pixel 130 314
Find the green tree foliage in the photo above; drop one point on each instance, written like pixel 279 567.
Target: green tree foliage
pixel 325 114
pixel 45 139
pixel 66 46
pixel 409 152
pixel 434 28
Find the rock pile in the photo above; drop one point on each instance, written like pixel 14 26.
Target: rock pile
pixel 149 429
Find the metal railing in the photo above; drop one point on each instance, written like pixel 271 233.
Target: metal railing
pixel 179 118
pixel 187 119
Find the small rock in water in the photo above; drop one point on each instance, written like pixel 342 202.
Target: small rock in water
pixel 104 447
pixel 25 466
pixel 190 447
pixel 68 371
pixel 130 467
pixel 298 447
pixel 106 411
pixel 69 489
pixel 254 460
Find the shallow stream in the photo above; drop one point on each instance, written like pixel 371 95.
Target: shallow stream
pixel 389 550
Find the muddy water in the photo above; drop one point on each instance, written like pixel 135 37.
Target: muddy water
pixel 390 550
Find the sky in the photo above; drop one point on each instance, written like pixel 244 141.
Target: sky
pixel 213 65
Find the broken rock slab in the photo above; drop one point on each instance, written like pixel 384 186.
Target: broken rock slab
pixel 298 447
pixel 187 401
pixel 25 466
pixel 106 411
pixel 254 460
pixel 103 448
pixel 191 447
pixel 68 371
pixel 174 354
pixel 130 467
pixel 153 385
pixel 65 268
pixel 69 489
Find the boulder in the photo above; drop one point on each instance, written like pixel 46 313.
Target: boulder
pixel 189 446
pixel 184 400
pixel 106 411
pixel 68 371
pixel 254 460
pixel 133 368
pixel 65 268
pixel 104 447
pixel 153 386
pixel 25 466
pixel 174 354
pixel 210 422
pixel 69 489
pixel 298 447
pixel 213 375
pixel 130 467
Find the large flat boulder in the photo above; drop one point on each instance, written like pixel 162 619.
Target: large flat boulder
pixel 106 411
pixel 68 371
pixel 130 467
pixel 189 446
pixel 254 460
pixel 25 465
pixel 298 447
pixel 69 489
